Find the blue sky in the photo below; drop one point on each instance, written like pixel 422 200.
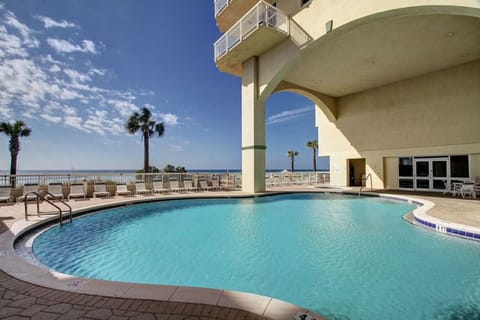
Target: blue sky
pixel 75 70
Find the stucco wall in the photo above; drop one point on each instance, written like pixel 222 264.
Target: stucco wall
pixel 314 16
pixel 435 114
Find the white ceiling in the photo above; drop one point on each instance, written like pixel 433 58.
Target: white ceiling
pixel 387 51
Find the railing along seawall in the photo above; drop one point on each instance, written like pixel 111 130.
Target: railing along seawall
pixel 227 179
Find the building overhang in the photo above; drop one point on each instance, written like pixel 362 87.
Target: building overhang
pixel 376 51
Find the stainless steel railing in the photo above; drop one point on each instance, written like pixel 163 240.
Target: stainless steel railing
pixel 39 197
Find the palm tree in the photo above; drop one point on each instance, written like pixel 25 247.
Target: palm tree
pixel 144 123
pixel 314 145
pixel 292 154
pixel 14 131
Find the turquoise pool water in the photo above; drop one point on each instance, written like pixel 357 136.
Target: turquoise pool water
pixel 343 256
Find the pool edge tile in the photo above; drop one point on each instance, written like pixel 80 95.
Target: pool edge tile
pixel 244 301
pixel 148 291
pixel 196 295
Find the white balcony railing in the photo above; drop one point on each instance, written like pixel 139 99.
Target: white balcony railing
pixel 220 5
pixel 262 15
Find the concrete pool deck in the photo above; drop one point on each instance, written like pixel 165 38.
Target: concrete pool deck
pixel 29 292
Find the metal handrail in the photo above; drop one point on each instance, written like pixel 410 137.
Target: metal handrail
pixel 38 197
pixel 263 13
pixel 364 182
pixel 220 5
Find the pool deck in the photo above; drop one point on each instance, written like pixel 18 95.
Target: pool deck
pixel 28 292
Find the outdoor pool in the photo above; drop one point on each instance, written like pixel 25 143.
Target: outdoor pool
pixel 346 257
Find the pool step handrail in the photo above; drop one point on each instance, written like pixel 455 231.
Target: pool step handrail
pixel 365 180
pixel 39 197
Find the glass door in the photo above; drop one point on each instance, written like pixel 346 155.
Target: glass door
pixel 439 174
pixel 431 174
pixel 422 174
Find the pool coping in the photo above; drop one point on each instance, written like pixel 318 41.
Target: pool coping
pixel 269 307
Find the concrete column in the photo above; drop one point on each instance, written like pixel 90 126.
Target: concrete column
pixel 253 130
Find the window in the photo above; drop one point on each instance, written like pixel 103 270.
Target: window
pixel 405 167
pixel 459 166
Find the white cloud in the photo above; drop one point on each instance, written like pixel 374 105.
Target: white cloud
pixel 125 108
pixel 51 118
pixel 55 69
pixel 95 71
pixel 176 148
pixel 77 76
pixel 169 119
pixel 5 111
pixel 63 46
pixel 26 32
pixel 74 122
pixel 89 46
pixel 288 115
pixel 11 45
pixel 61 91
pixel 50 23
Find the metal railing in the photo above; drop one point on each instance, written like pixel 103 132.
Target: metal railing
pixel 39 197
pixel 228 180
pixel 365 180
pixel 262 15
pixel 297 178
pixel 220 5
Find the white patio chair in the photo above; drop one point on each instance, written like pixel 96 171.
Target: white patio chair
pixel 204 185
pixel 55 190
pixel 188 185
pixel 76 191
pixel 174 185
pixel 468 190
pixel 140 188
pixel 100 189
pixel 122 190
pixel 27 188
pixel 5 194
pixel 476 186
pixel 158 186
pixel 216 184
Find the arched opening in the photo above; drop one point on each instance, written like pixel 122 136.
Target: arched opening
pixel 290 125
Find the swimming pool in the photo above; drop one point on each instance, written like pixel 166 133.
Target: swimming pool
pixel 343 256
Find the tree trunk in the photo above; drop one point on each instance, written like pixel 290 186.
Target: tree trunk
pixel 314 160
pixel 146 164
pixel 13 169
pixel 292 164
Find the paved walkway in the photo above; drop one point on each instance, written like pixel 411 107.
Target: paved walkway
pixel 22 300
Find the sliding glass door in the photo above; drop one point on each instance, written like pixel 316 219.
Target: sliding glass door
pixel 431 174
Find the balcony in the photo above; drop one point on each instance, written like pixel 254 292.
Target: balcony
pixel 227 12
pixel 260 29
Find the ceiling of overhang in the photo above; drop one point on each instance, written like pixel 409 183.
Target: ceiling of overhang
pixel 386 51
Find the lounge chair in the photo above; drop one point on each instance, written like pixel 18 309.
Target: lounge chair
pixel 27 188
pixel 122 190
pixel 174 186
pixel 204 185
pixel 188 185
pixel 56 191
pixel 216 184
pixel 141 189
pixel 158 186
pixel 100 189
pixel 5 194
pixel 76 191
